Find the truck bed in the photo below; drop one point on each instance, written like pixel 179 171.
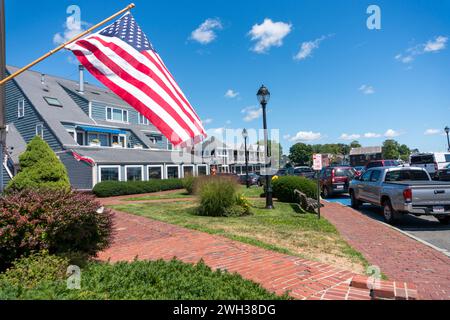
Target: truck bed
pixel 420 183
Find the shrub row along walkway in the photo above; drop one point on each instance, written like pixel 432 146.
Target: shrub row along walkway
pixel 149 239
pixel 398 256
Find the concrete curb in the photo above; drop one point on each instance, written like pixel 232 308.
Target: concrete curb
pixel 445 252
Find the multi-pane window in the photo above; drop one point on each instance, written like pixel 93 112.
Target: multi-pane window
pixel 109 174
pixel 172 172
pixel 134 173
pixel 155 173
pixel 201 170
pixel 143 119
pixel 40 130
pixel 21 108
pixel 188 171
pixel 117 115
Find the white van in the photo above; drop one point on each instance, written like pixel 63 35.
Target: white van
pixel 432 162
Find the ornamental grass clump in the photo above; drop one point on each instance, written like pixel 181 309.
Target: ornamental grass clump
pixel 219 197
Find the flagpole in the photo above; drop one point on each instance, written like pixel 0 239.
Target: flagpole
pixel 2 89
pixel 48 54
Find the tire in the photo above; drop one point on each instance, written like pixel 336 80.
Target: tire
pixel 326 193
pixel 389 214
pixel 444 220
pixel 355 202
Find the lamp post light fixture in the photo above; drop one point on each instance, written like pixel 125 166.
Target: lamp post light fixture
pixel 245 136
pixel 263 98
pixel 447 131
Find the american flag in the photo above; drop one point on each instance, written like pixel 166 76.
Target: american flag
pixel 122 58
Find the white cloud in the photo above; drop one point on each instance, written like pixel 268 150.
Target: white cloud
pixel 231 94
pixel 431 132
pixel 307 48
pixel 205 33
pixel 390 133
pixel 269 34
pixel 439 43
pixel 370 135
pixel 366 89
pixel 346 136
pixel 207 121
pixel 251 113
pixel 306 136
pixel 436 45
pixel 72 28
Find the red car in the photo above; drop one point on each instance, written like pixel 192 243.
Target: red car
pixel 382 163
pixel 334 180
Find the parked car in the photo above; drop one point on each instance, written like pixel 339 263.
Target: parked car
pixel 335 179
pixel 432 162
pixel 444 174
pixel 285 172
pixel 306 172
pixel 402 190
pixel 253 179
pixel 382 163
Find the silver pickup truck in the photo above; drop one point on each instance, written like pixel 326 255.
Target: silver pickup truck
pixel 402 190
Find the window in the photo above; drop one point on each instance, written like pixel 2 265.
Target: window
pixel 120 139
pixel 53 102
pixel 375 176
pixel 173 172
pixel 155 172
pixel 406 175
pixel 350 172
pixel 103 138
pixel 80 138
pixel 110 173
pixel 447 158
pixel 143 119
pixel 169 145
pixel 202 170
pixel 117 115
pixel 188 171
pixel 366 176
pixel 422 159
pixel 40 130
pixel 134 173
pixel 21 108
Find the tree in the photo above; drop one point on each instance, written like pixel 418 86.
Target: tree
pixel 405 152
pixel 391 149
pixel 301 154
pixel 355 144
pixel 39 168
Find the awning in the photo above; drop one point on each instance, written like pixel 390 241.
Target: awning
pixel 101 130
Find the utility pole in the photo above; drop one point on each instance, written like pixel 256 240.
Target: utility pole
pixel 2 89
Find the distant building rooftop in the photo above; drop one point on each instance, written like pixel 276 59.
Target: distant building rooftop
pixel 365 150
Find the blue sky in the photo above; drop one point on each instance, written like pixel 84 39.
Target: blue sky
pixel 347 83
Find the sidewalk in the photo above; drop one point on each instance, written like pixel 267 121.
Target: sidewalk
pixel 398 256
pixel 149 239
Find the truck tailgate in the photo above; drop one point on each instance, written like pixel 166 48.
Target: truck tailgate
pixel 431 194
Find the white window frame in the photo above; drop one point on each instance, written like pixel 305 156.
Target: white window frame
pixel 142 119
pixel 20 108
pixel 74 133
pixel 124 111
pixel 84 137
pixel 134 166
pixel 41 125
pixel 188 165
pixel 172 166
pixel 156 166
pixel 202 165
pixel 108 167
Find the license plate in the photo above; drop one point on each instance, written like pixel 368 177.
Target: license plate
pixel 340 187
pixel 438 209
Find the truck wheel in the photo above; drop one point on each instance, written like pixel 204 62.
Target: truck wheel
pixel 355 202
pixel 389 212
pixel 444 220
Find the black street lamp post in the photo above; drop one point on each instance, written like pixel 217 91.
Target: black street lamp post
pixel 245 136
pixel 263 98
pixel 447 131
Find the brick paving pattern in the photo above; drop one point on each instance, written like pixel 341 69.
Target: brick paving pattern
pixel 398 256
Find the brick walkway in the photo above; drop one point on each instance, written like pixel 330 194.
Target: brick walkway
pixel 398 256
pixel 149 239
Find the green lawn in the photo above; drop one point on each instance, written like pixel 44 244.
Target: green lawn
pixel 179 194
pixel 282 229
pixel 252 192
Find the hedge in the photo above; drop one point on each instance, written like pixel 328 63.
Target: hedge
pixel 122 188
pixel 284 187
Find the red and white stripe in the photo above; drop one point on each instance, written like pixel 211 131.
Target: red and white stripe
pixel 143 81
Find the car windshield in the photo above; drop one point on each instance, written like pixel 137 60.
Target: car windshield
pixel 344 172
pixel 406 175
pixel 391 163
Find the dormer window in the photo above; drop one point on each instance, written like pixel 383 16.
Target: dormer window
pixel 116 115
pixel 53 102
pixel 20 108
pixel 143 119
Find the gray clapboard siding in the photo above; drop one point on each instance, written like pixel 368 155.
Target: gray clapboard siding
pixel 80 173
pixel 80 101
pixel 27 124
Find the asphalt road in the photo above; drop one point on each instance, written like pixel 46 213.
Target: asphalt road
pixel 424 228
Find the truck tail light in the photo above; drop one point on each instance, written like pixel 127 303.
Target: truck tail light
pixel 332 176
pixel 407 195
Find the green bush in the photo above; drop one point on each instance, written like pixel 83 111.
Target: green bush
pixel 219 197
pixel 189 183
pixel 146 280
pixel 60 221
pixel 283 188
pixel 39 168
pixel 122 188
pixel 28 272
